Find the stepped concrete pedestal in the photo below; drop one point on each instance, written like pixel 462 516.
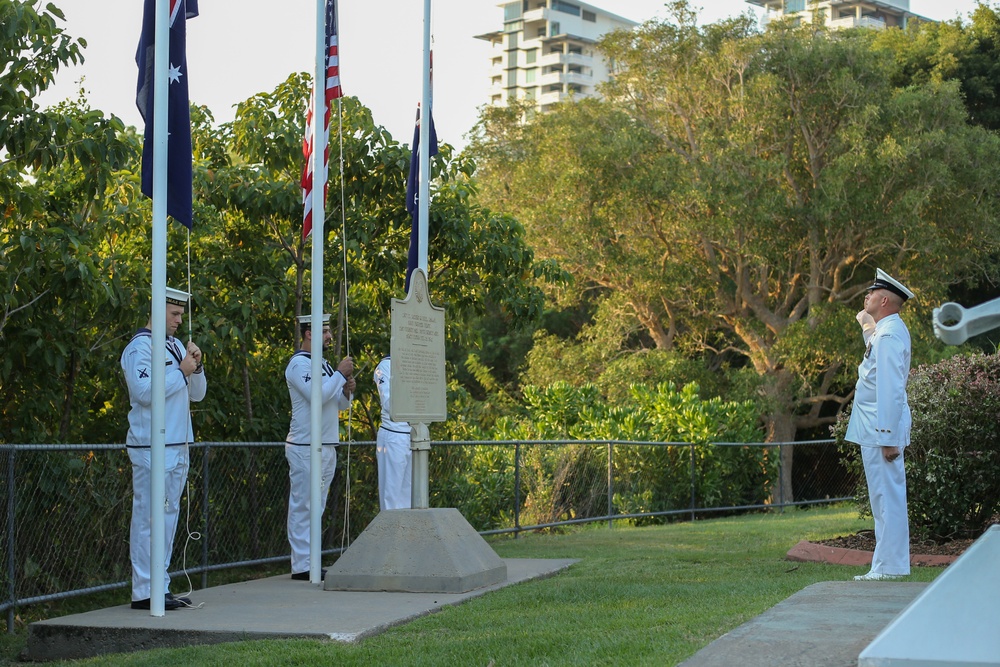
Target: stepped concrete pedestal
pixel 954 621
pixel 417 551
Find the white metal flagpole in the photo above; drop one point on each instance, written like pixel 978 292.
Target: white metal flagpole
pixel 423 201
pixel 158 312
pixel 316 349
pixel 419 496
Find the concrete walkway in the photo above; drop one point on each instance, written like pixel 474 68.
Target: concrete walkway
pixel 270 608
pixel 824 625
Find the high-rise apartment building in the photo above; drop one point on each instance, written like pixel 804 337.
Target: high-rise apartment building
pixel 547 51
pixel 838 14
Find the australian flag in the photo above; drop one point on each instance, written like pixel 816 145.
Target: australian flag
pixel 413 190
pixel 179 191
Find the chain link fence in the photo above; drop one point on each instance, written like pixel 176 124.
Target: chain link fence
pixel 67 507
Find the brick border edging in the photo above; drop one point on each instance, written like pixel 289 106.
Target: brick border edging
pixel 809 552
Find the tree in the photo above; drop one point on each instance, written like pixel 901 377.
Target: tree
pixel 35 47
pixel 60 274
pixel 75 265
pixel 737 190
pixel 478 261
pixel 965 52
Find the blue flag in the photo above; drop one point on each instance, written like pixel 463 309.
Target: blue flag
pixel 413 190
pixel 179 191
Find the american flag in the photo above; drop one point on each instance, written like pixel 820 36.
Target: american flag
pixel 332 88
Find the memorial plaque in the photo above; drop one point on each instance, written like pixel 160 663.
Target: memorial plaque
pixel 417 384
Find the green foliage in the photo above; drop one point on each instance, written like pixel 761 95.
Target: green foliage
pixel 957 50
pixel 733 192
pixel 65 492
pixel 66 267
pixel 609 352
pixel 31 139
pixel 479 479
pixel 955 455
pixel 74 261
pixel 724 475
pixel 64 270
pixel 953 489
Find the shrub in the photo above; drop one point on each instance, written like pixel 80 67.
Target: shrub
pixel 953 461
pixel 661 475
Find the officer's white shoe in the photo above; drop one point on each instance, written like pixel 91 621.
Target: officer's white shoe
pixel 875 576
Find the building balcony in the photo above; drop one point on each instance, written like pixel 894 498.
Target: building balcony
pixel 855 22
pixel 578 78
pixel 540 14
pixel 550 79
pixel 548 99
pixel 566 59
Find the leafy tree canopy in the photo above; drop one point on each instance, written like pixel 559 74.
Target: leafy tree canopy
pixel 75 245
pixel 736 190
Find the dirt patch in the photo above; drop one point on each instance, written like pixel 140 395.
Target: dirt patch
pixel 864 540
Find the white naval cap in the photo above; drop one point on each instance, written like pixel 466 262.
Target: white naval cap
pixel 177 297
pixel 884 281
pixel 307 319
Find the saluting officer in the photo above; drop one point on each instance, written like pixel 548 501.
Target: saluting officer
pixel 880 423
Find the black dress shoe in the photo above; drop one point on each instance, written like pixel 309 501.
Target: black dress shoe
pixel 186 602
pixel 169 604
pixel 304 576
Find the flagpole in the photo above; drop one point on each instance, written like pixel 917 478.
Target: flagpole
pixel 420 476
pixel 316 347
pixel 423 199
pixel 158 312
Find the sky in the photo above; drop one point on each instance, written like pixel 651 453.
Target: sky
pixel 237 48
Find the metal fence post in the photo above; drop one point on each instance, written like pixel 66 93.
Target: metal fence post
pixel 204 514
pixel 693 481
pixel 517 490
pixel 11 571
pixel 781 478
pixel 611 509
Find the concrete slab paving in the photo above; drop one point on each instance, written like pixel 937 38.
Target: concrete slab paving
pixel 824 625
pixel 270 608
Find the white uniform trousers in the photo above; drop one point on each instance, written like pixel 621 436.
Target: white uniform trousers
pixel 395 469
pixel 887 493
pixel 298 498
pixel 176 469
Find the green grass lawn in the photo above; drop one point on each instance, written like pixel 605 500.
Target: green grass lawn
pixel 639 596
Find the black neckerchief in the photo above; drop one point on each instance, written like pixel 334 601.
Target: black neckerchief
pixel 171 343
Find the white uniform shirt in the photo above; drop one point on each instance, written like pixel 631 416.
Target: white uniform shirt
pixel 298 376
pixel 881 414
pixel 383 374
pixel 136 363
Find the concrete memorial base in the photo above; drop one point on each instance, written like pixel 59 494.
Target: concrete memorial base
pixel 954 621
pixel 417 551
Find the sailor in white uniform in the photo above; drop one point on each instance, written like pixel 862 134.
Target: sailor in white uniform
pixel 338 386
pixel 880 423
pixel 392 451
pixel 184 382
